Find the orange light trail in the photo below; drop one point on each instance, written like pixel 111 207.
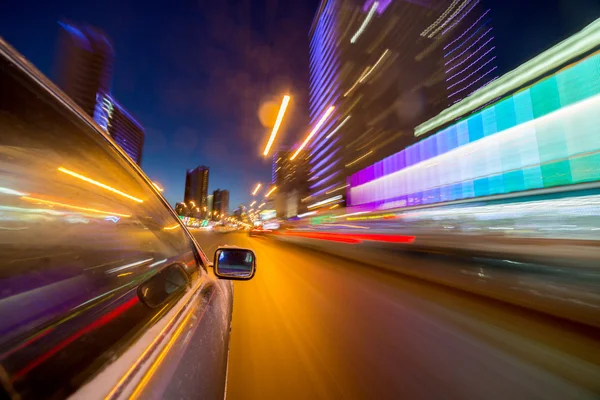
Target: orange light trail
pixel 271 191
pixel 311 134
pixel 256 189
pixel 55 203
pixel 99 184
pixel 282 108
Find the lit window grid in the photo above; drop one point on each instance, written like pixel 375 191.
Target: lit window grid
pixel 468 30
pixel 324 190
pixel 324 180
pixel 320 139
pixel 541 137
pixel 323 60
pixel 474 4
pixel 322 46
pixel 577 45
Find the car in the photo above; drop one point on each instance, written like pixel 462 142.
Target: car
pixel 104 293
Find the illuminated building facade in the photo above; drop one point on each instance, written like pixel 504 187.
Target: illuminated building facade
pixel 120 125
pixel 464 29
pixel 84 64
pixel 196 189
pixel 511 138
pixel 290 178
pixel 220 203
pixel 84 72
pixel 370 61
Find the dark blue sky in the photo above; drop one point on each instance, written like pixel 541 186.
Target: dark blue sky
pixel 194 74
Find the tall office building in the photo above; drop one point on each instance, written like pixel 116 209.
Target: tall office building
pixel 220 202
pixel 209 204
pixel 84 64
pixel 290 177
pixel 196 189
pixel 84 72
pixel 384 67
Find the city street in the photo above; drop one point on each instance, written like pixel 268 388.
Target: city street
pixel 310 325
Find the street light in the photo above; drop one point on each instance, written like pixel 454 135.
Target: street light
pixel 157 187
pixel 192 203
pixel 284 104
pixel 262 204
pixel 256 189
pixel 253 203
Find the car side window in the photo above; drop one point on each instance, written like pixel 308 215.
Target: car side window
pixel 77 222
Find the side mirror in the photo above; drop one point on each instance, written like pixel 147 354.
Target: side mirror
pixel 235 263
pixel 163 286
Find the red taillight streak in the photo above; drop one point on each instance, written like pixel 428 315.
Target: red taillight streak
pixel 352 238
pixel 94 325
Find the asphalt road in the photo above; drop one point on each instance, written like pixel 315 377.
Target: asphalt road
pixel 313 326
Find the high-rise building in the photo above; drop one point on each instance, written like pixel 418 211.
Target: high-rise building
pixel 118 122
pixel 290 177
pixel 196 189
pixel 84 64
pixel 84 72
pixel 209 204
pixel 384 67
pixel 220 203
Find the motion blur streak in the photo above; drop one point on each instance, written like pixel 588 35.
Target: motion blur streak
pixel 256 189
pixel 55 203
pixel 326 201
pixel 365 23
pixel 352 237
pixel 9 191
pixel 271 191
pixel 170 228
pixel 374 66
pixel 102 185
pixel 284 104
pixel 135 264
pixel 312 133
pixel 358 332
pixel 103 320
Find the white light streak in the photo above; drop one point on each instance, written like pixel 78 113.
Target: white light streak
pixel 326 201
pixel 366 21
pixel 338 127
pixel 135 264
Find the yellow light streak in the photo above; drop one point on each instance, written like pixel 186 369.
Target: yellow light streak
pixel 55 203
pixel 170 228
pixel 256 189
pixel 311 134
pixel 359 158
pixel 282 108
pixel 271 191
pixel 99 184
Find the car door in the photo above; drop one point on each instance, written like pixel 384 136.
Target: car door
pixel 103 291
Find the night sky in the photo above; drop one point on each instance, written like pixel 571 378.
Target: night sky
pixel 196 73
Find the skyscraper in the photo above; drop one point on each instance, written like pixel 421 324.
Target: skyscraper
pixel 196 188
pixel 84 72
pixel 220 202
pixel 84 64
pixel 384 67
pixel 290 177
